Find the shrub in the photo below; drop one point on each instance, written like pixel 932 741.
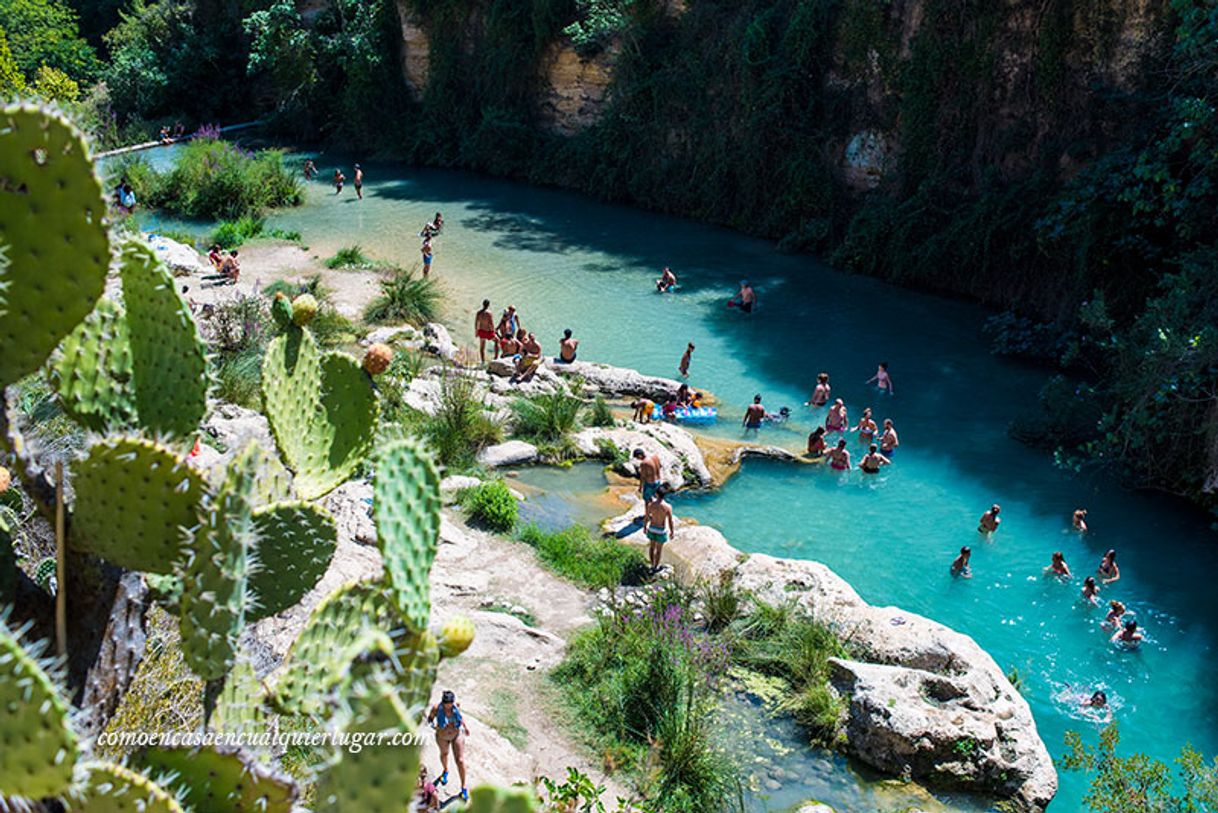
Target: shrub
pixel 591 561
pixel 239 377
pixel 349 257
pixel 1138 783
pixel 549 417
pixel 238 331
pixel 230 234
pixel 491 504
pixel 460 428
pixel 721 600
pixel 404 298
pixel 599 413
pixel 214 180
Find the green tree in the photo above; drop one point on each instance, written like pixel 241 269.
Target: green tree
pixel 45 32
pixel 54 85
pixel 12 83
pixel 282 49
pixel 1138 783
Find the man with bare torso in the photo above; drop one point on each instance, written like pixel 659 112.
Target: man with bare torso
pixel 658 526
pixel 754 415
pixel 649 473
pixel 484 329
pixel 567 347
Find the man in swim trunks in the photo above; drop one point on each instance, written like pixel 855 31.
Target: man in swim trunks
pixel 754 415
pixel 649 473
pixel 484 329
pixel 567 347
pixel 746 297
pixel 339 180
pixel 658 525
pixel 426 252
pixel 359 182
pixel 873 460
pixel 989 521
pixel 889 440
pixel 820 395
pixel 230 269
pixel 839 457
pixel 530 358
pixel 1128 635
pixel 666 281
pixel 684 366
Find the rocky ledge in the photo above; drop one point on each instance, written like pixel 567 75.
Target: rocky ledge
pixel 923 701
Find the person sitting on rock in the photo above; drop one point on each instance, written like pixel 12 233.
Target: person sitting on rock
pixel 529 361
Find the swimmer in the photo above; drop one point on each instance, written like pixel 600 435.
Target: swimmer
pixel 1058 567
pixel 1091 591
pixel 1096 706
pixel 745 299
pixel 820 395
pixel 1108 570
pixel 839 458
pixel 643 409
pixel 1116 611
pixel 667 280
pixel 989 521
pixel 754 415
pixel 873 460
pixel 1128 635
pixel 684 365
pixel 484 330
pixel 567 347
pixel 837 420
pixel 310 169
pixel 960 566
pixel 866 427
pixel 888 439
pixel 882 379
pixel 1079 520
pixel 780 416
pixel 816 443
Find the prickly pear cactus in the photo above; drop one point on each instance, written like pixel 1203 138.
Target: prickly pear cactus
pixel 304 309
pixel 356 619
pixel 92 372
pixel 8 557
pixel 36 738
pixel 487 799
pixel 296 542
pixel 322 410
pixel 281 309
pixel 379 777
pixel 241 706
pixel 456 635
pixel 377 359
pixel 112 788
pixel 168 356
pixel 219 779
pixel 53 218
pixel 134 497
pixel 407 511
pixel 215 584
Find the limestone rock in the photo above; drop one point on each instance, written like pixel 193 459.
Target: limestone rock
pixel 619 382
pixel 351 505
pixel 814 807
pixel 453 485
pixel 437 341
pixel 509 453
pixel 681 461
pixel 389 335
pixel 181 260
pixel 573 93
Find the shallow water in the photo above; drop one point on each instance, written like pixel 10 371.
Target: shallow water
pixel 567 261
pixel 557 497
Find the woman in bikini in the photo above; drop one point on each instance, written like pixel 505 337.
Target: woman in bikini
pixel 866 428
pixel 445 717
pixel 837 419
pixel 816 443
pixel 1058 567
pixel 1108 569
pixel 820 395
pixel 839 458
pixel 1091 591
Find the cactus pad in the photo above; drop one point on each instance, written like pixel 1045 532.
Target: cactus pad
pixel 215 584
pixel 407 510
pixel 296 542
pixel 222 780
pixel 168 356
pixel 456 635
pixel 322 410
pixel 115 789
pixel 92 372
pixel 133 498
pixel 8 558
pixel 487 799
pixel 281 309
pixel 36 738
pixel 52 216
pixel 379 776
pixel 240 709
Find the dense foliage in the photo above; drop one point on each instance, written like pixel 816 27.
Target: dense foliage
pixel 491 504
pixel 1137 783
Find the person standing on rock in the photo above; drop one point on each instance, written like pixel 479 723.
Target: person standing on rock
pixel 649 473
pixel 450 728
pixel 658 526
pixel 754 415
pixel 484 329
pixel 567 347
pixel 684 367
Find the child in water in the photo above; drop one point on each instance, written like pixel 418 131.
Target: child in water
pixel 960 566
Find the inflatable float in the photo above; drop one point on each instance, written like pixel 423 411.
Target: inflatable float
pixel 694 415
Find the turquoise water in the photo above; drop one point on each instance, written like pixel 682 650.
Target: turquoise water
pixel 558 497
pixel 567 261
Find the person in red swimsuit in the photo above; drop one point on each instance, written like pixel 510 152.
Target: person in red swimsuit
pixel 484 329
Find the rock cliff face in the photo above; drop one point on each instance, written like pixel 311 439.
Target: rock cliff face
pixel 416 50
pixel 572 96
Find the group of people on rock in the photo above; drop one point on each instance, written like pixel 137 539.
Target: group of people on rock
pixel 226 267
pixel 509 340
